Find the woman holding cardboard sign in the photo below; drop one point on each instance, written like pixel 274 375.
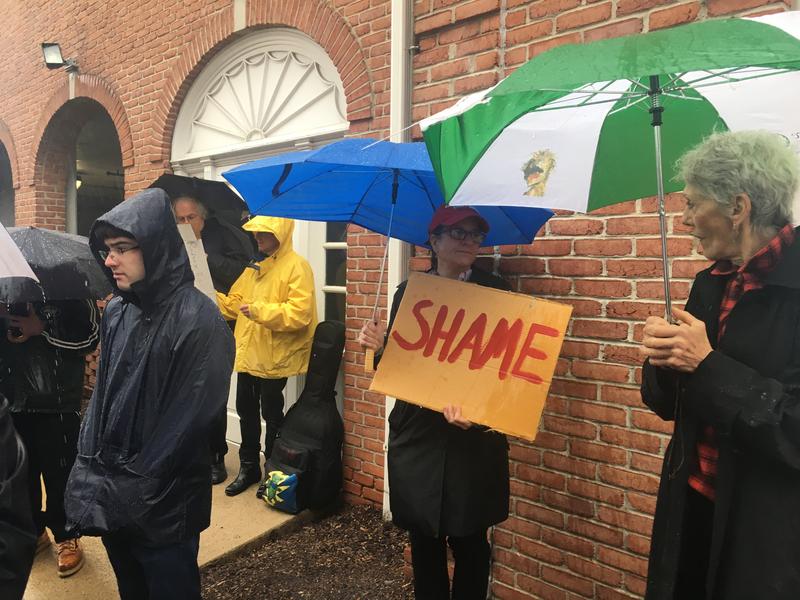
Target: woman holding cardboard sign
pixel 448 479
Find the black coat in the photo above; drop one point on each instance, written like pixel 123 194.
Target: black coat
pixel 228 250
pixel 444 480
pixel 45 373
pixel 748 388
pixel 17 531
pixel 143 464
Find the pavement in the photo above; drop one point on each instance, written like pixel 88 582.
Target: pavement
pixel 236 524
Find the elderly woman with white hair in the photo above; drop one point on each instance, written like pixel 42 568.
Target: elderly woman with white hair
pixel 727 372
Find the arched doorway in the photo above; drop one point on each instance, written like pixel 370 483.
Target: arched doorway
pixel 272 91
pixel 6 189
pixel 99 180
pixel 78 174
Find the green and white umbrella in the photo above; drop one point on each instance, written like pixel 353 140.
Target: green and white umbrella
pixel 571 129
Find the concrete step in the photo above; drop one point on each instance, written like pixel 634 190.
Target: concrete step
pixel 235 523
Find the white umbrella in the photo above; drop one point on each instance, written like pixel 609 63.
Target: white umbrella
pixel 17 280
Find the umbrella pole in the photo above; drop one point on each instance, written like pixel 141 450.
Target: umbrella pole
pixel 656 110
pixel 369 353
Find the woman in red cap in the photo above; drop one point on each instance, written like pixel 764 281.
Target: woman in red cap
pixel 448 478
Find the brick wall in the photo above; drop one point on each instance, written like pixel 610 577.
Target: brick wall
pixel 583 494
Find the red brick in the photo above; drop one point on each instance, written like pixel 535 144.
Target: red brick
pixel 574 267
pixel 537 48
pixel 548 8
pixel 539 514
pixel 612 30
pixel 570 427
pixel 634 268
pixel 592 570
pixel 566 580
pixel 567 542
pixel 598 412
pixel 627 479
pixel 622 560
pixel 600 371
pixel 601 533
pixel 634 310
pixel 570 465
pixel 726 7
pixel 599 329
pixel 436 21
pixel 598 452
pixel 526 33
pixel 540 591
pixel 603 288
pixel 651 422
pixel 575 226
pixel 595 491
pixel 583 16
pixel 676 246
pixel 625 7
pixel 631 439
pixel 603 247
pixel 476 7
pixel 548 286
pixel 547 247
pixel 632 226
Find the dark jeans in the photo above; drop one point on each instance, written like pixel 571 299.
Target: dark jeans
pixel 216 436
pixel 695 547
pixel 429 561
pixel 217 433
pixel 256 398
pixel 51 440
pixel 154 573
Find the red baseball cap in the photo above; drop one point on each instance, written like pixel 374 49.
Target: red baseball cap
pixel 450 215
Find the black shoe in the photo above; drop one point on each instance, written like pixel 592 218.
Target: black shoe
pixel 218 472
pixel 249 473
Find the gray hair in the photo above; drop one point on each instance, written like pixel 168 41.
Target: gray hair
pixel 758 163
pixel 201 208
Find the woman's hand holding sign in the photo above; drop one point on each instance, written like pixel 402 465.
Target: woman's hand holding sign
pixel 681 346
pixel 453 415
pixel 372 335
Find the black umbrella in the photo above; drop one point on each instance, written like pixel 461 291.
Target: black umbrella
pixel 216 196
pixel 66 268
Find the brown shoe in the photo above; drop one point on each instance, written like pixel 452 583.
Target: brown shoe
pixel 70 557
pixel 43 542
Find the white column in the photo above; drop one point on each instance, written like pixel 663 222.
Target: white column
pixel 399 119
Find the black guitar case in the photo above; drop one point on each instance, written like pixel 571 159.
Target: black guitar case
pixel 309 444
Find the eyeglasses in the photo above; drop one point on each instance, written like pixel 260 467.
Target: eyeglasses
pixel 116 251
pixel 459 234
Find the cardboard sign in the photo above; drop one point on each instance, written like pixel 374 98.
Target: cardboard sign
pixel 491 352
pixel 198 261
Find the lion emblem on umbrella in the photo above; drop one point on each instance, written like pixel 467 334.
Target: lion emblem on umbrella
pixel 537 170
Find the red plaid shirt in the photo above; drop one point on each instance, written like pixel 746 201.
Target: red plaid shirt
pixel 749 276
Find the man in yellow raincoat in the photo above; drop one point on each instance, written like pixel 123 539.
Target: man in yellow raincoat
pixel 275 310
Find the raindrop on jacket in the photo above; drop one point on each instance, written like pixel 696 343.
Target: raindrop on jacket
pixel 166 355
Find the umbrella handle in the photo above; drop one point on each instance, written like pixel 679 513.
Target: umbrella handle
pixel 369 360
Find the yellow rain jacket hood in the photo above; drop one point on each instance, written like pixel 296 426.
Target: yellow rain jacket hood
pixel 275 341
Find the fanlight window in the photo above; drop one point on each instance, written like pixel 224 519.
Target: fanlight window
pixel 264 94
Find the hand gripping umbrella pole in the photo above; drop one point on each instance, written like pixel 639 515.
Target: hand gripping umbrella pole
pixel 656 110
pixel 369 354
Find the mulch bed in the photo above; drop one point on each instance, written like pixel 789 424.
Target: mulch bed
pixel 352 555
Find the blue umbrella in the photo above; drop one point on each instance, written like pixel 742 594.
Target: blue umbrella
pixel 386 187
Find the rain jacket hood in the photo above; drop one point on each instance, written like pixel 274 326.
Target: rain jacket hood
pixel 143 465
pixel 275 341
pixel 149 219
